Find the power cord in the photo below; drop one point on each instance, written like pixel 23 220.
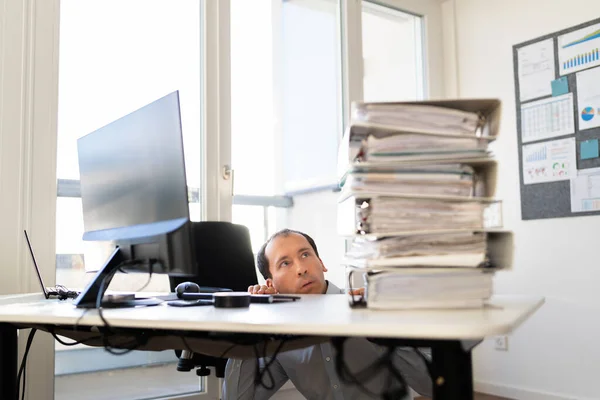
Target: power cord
pixel 368 373
pixel 362 301
pixel 137 341
pixel 259 375
pixel 23 367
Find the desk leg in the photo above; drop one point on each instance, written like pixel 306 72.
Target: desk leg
pixel 453 371
pixel 8 362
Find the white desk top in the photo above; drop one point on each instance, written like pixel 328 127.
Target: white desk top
pixel 320 315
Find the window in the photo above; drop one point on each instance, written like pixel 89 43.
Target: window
pixel 392 54
pixel 286 94
pixel 116 56
pixel 285 104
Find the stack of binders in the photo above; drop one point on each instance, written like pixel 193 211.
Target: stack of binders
pixel 418 206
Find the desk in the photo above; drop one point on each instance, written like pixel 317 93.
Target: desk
pixel 450 333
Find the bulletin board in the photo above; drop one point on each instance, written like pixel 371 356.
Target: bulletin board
pixel 557 90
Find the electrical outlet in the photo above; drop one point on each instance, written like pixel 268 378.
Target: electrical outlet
pixel 501 343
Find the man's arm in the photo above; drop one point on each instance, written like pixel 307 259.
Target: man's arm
pixel 414 370
pixel 239 380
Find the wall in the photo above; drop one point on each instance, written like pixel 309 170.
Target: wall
pixel 309 101
pixel 316 214
pixel 554 354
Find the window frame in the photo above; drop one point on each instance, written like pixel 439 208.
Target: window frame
pixel 433 44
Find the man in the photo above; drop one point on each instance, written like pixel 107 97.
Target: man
pixel 290 263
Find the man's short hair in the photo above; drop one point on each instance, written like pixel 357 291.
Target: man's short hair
pixel 262 261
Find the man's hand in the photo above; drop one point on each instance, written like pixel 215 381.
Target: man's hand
pixel 261 289
pixel 358 292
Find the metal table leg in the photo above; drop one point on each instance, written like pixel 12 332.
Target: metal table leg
pixel 8 362
pixel 453 371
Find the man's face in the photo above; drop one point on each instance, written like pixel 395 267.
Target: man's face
pixel 294 266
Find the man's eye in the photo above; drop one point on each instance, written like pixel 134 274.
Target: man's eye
pixel 305 254
pixel 284 264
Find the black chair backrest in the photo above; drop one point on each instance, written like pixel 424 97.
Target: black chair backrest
pixel 224 255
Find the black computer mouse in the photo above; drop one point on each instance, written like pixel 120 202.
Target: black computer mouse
pixel 187 287
pixel 191 287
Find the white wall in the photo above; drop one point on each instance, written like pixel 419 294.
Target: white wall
pixel 316 215
pixel 310 124
pixel 555 354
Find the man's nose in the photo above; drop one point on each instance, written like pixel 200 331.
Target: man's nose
pixel 300 269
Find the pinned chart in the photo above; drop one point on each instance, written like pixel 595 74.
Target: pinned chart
pixel 579 50
pixel 536 69
pixel 585 191
pixel 548 118
pixel 588 98
pixel 549 161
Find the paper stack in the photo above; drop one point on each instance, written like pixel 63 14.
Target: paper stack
pixel 417 203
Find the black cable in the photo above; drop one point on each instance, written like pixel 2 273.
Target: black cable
pixel 22 368
pixel 368 373
pixel 228 350
pixel 74 343
pixel 258 373
pixel 149 278
pixel 259 376
pixel 342 369
pixel 428 363
pixel 187 346
pixel 85 310
pixel 99 296
pixel 362 301
pixel 137 342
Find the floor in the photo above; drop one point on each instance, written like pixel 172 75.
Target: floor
pixel 478 396
pixel 151 382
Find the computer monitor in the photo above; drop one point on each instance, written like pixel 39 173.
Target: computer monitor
pixel 134 195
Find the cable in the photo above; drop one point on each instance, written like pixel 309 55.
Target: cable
pixel 124 348
pixel 354 303
pixel 428 363
pixel 187 346
pixel 149 279
pixel 74 343
pixel 259 375
pixel 228 350
pixel 22 368
pixel 85 310
pixel 368 373
pixel 137 341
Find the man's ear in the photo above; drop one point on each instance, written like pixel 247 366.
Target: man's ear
pixel 323 265
pixel 269 282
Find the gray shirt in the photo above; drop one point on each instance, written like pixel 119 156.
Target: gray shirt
pixel 312 371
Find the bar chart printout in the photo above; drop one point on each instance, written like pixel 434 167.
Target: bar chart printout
pixel 579 50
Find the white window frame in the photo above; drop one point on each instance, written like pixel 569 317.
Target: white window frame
pixel 433 44
pixel 28 110
pixel 218 176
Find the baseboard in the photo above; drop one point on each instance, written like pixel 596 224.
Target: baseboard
pixel 520 393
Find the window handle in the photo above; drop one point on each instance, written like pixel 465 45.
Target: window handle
pixel 227 173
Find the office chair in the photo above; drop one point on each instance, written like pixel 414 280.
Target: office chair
pixel 225 258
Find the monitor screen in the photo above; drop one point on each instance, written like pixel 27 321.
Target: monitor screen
pixel 133 186
pixel 133 172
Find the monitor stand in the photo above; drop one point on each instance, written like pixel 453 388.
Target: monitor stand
pixel 88 298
